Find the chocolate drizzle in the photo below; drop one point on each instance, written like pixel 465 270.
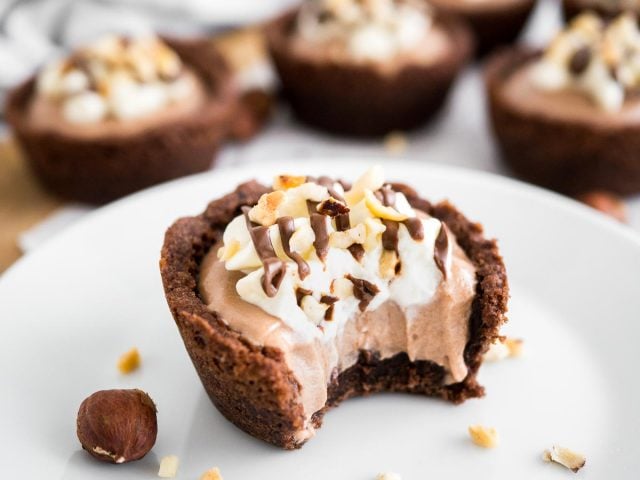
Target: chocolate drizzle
pixel 286 227
pixel 329 184
pixel 343 223
pixel 321 241
pixel 390 235
pixel 441 250
pixel 274 268
pixel 363 290
pixel 415 228
pixel 301 293
pixel 387 196
pixel 329 300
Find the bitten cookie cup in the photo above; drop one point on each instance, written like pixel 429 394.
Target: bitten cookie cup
pixel 572 8
pixel 569 156
pixel 252 385
pixel 357 98
pixel 493 24
pixel 101 169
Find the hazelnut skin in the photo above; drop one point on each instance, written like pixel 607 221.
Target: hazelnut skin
pixel 606 202
pixel 117 426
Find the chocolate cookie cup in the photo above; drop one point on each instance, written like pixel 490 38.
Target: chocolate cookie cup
pixel 572 8
pixel 569 156
pixel 101 169
pixel 252 386
pixel 358 99
pixel 493 24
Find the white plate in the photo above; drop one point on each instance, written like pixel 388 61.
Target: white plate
pixel 72 307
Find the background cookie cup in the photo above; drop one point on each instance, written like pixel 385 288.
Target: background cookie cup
pixel 358 99
pixel 564 155
pixel 571 8
pixel 97 170
pixel 252 385
pixel 493 24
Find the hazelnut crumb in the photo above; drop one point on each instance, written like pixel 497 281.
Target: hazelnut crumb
pixel 129 361
pixel 388 476
pixel 212 474
pixel 605 202
pixel 515 346
pixel 168 466
pixel 396 143
pixel 567 458
pixel 504 347
pixel 486 437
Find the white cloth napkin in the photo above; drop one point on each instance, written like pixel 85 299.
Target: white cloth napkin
pixel 32 31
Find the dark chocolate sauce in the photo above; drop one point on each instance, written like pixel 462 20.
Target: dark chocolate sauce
pixel 301 293
pixel 274 268
pixel 363 290
pixel 390 235
pixel 441 250
pixel 286 227
pixel 415 228
pixel 329 300
pixel 319 227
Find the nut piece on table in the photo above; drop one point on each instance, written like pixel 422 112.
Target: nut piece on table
pixel 606 202
pixel 117 426
pixel 168 466
pixel 388 476
pixel 563 456
pixel 129 361
pixel 396 143
pixel 213 474
pixel 485 437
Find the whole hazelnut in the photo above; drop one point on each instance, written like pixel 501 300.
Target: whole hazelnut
pixel 606 202
pixel 117 426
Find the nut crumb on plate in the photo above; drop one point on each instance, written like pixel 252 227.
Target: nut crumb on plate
pixel 504 347
pixel 388 476
pixel 129 361
pixel 168 466
pixel 486 437
pixel 212 474
pixel 574 461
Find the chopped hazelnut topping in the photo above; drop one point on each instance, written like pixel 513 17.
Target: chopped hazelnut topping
pixel 213 474
pixel 129 361
pixel 266 211
pixel 332 207
pixel 378 209
pixel 396 143
pixel 563 456
pixel 347 238
pixel 168 466
pixel 285 182
pixel 485 437
pixel 388 263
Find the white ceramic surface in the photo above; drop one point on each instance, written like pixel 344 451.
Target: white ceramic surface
pixel 69 309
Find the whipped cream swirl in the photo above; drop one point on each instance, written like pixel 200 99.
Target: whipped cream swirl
pixel 314 255
pixel 116 78
pixel 597 58
pixel 372 30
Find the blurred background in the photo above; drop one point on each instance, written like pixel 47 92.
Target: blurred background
pixel 35 31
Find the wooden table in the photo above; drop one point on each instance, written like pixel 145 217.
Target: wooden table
pixel 22 202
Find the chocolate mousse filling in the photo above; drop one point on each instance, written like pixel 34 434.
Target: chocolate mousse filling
pixel 250 365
